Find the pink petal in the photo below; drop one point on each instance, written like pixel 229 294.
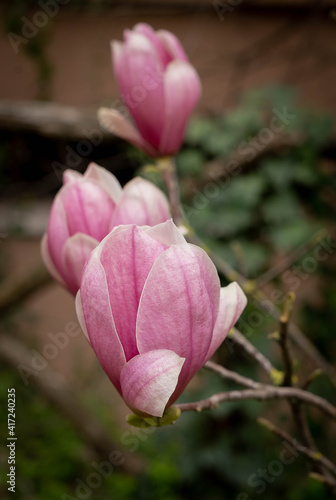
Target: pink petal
pixel 95 300
pixel 127 256
pixel 172 44
pixel 48 262
pixel 58 231
pixel 142 203
pixel 89 208
pixel 80 315
pixel 114 122
pixel 179 306
pixel 162 50
pixel 142 90
pixel 182 89
pixel 232 303
pixel 71 176
pixel 148 380
pixel 105 179
pixel 166 233
pixel 117 52
pixel 76 251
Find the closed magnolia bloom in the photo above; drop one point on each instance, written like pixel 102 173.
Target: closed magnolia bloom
pixel 153 310
pixel 159 87
pixel 86 209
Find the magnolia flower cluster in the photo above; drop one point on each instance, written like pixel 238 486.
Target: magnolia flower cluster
pixel 149 303
pixel 86 209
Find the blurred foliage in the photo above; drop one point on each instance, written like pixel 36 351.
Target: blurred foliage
pixel 252 221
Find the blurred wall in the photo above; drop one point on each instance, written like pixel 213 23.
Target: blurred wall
pixel 233 50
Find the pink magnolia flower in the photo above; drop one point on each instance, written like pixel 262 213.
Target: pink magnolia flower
pixel 153 310
pixel 159 87
pixel 86 209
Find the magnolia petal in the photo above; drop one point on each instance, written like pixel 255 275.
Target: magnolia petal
pixel 117 52
pixel 148 381
pixel 89 208
pixel 127 256
pixel 143 92
pixel 142 203
pixel 48 261
pixel 166 233
pixel 172 45
pixel 58 231
pixel 232 303
pixel 179 306
pixel 76 251
pixel 117 124
pixel 80 315
pixel 71 176
pixel 182 88
pixel 162 50
pixel 106 180
pixel 99 321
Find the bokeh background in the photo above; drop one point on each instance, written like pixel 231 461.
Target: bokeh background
pixel 256 60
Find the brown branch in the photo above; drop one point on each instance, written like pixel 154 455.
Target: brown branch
pixel 50 119
pixel 249 348
pixel 15 290
pixel 313 455
pixel 235 377
pixel 322 479
pixel 52 385
pixel 290 259
pixel 168 171
pixel 267 392
pixel 283 339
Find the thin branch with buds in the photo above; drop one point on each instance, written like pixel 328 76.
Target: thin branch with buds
pixel 264 393
pixel 314 456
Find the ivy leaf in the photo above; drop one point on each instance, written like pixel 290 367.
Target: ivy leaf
pixel 190 162
pixel 292 234
pixel 282 207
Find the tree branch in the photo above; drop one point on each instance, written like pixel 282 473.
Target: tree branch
pixel 235 377
pixel 249 348
pixel 267 392
pixel 18 289
pixel 313 455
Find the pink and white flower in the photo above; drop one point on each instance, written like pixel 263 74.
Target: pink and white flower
pixel 159 87
pixel 86 209
pixel 153 310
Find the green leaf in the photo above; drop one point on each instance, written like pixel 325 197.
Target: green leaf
pixel 226 223
pixel 199 131
pixel 190 162
pixel 282 207
pixel 278 171
pixel 244 191
pixel 292 234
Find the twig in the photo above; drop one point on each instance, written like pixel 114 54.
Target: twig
pixel 13 291
pixel 314 456
pixel 235 377
pixel 290 259
pixel 283 339
pixel 311 377
pixel 267 392
pixel 323 479
pixel 242 341
pixel 168 171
